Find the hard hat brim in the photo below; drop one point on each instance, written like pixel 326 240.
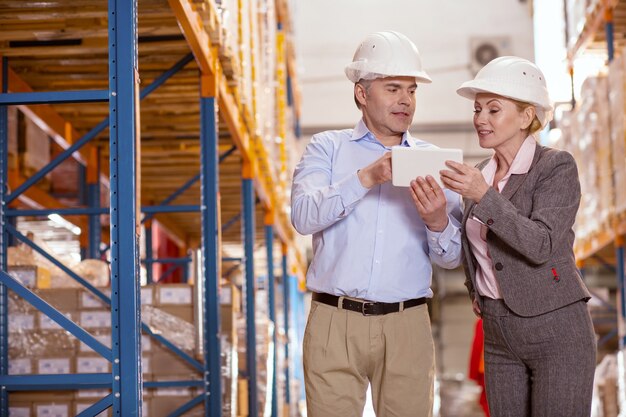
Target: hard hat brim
pixel 355 74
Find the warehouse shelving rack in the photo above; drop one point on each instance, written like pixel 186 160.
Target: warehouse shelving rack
pixel 605 246
pixel 123 132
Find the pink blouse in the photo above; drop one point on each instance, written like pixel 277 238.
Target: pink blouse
pixel 486 283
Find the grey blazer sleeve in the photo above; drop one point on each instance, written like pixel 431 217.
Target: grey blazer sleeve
pixel 530 235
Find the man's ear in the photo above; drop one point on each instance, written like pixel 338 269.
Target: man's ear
pixel 360 94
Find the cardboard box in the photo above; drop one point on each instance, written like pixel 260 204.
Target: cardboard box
pixel 19 322
pixel 174 294
pixel 165 363
pixel 88 300
pixel 92 365
pixel 21 366
pixel 162 406
pixel 55 366
pixel 20 410
pixel 63 299
pixel 31 276
pixel 95 319
pixel 42 397
pixel 147 295
pixel 97 394
pixel 184 312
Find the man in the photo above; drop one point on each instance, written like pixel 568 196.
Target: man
pixel 372 243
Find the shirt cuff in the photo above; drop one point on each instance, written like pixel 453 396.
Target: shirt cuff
pixel 440 241
pixel 351 190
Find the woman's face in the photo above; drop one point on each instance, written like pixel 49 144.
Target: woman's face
pixel 498 121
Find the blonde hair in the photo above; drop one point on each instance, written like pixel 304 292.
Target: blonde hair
pixel 535 125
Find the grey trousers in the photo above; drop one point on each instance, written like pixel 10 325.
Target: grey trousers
pixel 539 366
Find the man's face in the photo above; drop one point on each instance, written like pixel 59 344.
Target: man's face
pixel 388 105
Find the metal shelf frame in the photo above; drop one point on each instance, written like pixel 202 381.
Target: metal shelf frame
pixel 123 96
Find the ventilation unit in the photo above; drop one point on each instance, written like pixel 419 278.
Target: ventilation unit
pixel 484 49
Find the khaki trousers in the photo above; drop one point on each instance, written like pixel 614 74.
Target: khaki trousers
pixel 344 350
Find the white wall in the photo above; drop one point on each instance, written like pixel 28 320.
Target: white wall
pixel 328 32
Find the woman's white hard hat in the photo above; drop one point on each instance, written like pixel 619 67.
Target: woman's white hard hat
pixel 515 78
pixel 386 54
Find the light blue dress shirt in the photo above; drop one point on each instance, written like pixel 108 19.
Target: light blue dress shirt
pixel 367 243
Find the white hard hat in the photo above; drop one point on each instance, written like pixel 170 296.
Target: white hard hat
pixel 512 77
pixel 386 54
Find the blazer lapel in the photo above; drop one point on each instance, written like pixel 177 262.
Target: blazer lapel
pixel 516 180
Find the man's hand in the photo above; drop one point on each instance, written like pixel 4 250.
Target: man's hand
pixel 430 202
pixel 377 172
pixel 465 180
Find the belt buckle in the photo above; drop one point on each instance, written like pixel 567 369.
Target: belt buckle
pixel 364 308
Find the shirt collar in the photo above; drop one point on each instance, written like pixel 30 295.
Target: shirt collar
pixel 520 165
pixel 361 131
pixel 524 158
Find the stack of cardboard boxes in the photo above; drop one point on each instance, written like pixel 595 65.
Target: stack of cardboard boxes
pixel 40 346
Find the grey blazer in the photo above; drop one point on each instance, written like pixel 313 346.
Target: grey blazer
pixel 530 236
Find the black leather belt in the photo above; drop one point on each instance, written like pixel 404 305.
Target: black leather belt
pixel 367 308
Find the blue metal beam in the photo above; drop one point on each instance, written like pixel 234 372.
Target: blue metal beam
pixel 269 243
pixel 95 226
pixel 97 408
pixel 74 211
pixel 286 297
pixel 84 96
pixel 148 263
pixel 55 315
pixel 4 237
pixel 123 142
pixel 619 253
pixel 177 383
pixel 170 209
pixel 170 260
pixel 209 169
pixel 56 382
pixel 248 225
pixel 94 132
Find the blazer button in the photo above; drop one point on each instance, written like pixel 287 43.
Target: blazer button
pixel 489 222
pixel 499 266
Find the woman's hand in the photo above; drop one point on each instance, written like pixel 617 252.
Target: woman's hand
pixel 465 180
pixel 430 202
pixel 476 308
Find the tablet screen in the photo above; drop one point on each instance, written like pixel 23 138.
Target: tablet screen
pixel 407 163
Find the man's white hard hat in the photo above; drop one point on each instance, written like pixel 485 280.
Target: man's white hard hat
pixel 515 78
pixel 386 54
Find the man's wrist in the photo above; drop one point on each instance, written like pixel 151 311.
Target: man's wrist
pixel 438 227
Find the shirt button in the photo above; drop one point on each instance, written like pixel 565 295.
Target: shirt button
pixel 489 222
pixel 380 232
pixel 499 266
pixel 377 261
pixel 433 239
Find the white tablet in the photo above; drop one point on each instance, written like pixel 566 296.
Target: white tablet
pixel 410 162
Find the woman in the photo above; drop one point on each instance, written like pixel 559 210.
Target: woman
pixel 520 207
